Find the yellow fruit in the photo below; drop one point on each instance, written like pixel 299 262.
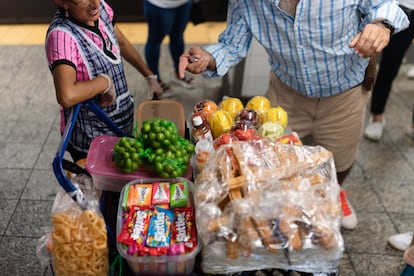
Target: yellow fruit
pixel 231 105
pixel 259 103
pixel 276 114
pixel 220 122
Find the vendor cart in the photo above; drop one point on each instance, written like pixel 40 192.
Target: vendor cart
pixel 145 111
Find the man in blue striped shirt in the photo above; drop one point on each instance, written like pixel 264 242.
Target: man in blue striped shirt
pixel 318 54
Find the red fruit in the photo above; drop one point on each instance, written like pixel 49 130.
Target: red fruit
pixel 243 130
pixel 290 139
pixel 224 139
pixel 250 115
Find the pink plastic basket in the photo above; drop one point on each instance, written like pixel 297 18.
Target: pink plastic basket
pixel 105 175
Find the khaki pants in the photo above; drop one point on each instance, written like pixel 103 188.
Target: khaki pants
pixel 335 123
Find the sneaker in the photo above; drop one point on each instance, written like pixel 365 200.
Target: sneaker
pixel 373 131
pixel 348 217
pixel 401 241
pixel 410 73
pixel 187 82
pixel 410 131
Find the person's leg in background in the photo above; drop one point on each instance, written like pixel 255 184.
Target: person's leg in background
pixel 160 22
pixel 177 43
pixel 390 63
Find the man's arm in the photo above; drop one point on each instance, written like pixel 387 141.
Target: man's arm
pixel 215 60
pixel 381 22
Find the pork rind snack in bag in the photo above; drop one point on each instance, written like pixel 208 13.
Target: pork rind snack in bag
pixel 263 205
pixel 77 240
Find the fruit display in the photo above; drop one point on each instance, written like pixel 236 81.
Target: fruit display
pixel 243 130
pixel 224 139
pixel 275 114
pixel 231 105
pixel 205 108
pixel 291 139
pixel 259 103
pixel 220 122
pixel 157 145
pixel 170 153
pixel 271 130
pixel 257 118
pixel 247 114
pixel 128 154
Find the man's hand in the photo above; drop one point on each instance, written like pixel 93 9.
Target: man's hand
pixel 195 61
pixel 371 41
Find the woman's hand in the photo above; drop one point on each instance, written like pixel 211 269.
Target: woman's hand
pixel 154 86
pixel 108 96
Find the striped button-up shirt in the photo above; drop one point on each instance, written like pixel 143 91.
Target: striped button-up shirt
pixel 309 51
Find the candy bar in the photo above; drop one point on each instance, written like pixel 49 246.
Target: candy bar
pixel 183 230
pixel 160 193
pixel 124 235
pixel 140 229
pixel 143 194
pixel 160 228
pixel 135 228
pixel 179 195
pixel 131 197
pixel 125 198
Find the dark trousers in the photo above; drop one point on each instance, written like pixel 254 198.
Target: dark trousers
pixel 391 59
pixel 163 22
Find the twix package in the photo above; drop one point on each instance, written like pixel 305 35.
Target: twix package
pixel 139 195
pixel 179 194
pixel 161 193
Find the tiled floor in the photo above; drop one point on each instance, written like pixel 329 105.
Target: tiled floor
pixel 381 183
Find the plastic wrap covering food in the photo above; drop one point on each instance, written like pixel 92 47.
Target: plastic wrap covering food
pixel 263 205
pixel 76 243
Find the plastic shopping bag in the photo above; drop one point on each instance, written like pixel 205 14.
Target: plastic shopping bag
pixel 76 243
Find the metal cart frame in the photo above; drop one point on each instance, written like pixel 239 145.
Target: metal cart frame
pixel 73 191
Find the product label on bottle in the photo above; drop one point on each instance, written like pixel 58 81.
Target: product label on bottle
pixel 207 136
pixel 203 136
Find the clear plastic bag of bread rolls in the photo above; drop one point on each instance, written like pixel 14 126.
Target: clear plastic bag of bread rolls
pixel 262 205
